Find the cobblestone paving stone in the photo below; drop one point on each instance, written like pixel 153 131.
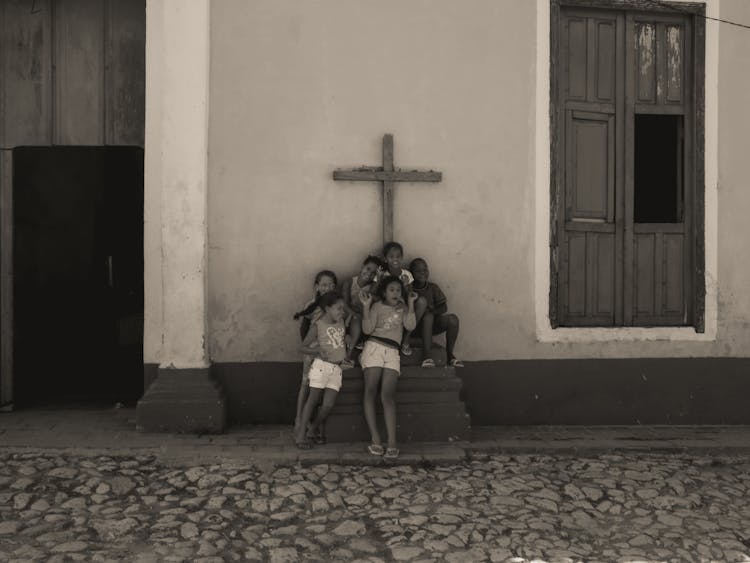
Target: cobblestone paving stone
pixel 634 507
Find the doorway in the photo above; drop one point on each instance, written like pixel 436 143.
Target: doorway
pixel 77 274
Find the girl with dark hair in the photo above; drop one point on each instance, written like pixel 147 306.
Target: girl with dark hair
pixel 384 322
pixel 325 282
pixel 326 341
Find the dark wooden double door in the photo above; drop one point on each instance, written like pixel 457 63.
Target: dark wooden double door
pixel 623 168
pixel 78 274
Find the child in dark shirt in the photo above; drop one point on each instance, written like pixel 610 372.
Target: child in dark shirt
pixel 431 310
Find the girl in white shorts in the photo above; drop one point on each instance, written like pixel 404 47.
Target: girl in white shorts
pixel 384 322
pixel 326 340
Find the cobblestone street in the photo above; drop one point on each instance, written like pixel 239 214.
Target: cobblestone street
pixel 632 507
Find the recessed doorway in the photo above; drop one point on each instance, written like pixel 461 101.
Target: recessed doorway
pixel 77 274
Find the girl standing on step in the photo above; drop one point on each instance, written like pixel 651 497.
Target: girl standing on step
pixel 326 342
pixel 384 322
pixel 325 282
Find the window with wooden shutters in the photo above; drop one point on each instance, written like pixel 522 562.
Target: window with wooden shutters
pixel 626 126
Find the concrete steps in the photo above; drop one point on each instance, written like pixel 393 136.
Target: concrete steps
pixel 427 404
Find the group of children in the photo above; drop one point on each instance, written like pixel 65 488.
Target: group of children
pixel 385 303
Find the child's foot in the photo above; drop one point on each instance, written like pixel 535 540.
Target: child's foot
pixel 319 438
pixel 456 363
pixel 391 453
pixel 375 449
pixel 304 444
pixel 406 349
pixel 428 363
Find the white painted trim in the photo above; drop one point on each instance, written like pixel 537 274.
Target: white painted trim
pixel 544 330
pixel 176 166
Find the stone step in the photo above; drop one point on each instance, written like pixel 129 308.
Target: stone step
pixel 428 407
pixel 438 375
pixel 415 422
pixel 437 353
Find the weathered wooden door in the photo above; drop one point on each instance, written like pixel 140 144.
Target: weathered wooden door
pixel 72 73
pixel 623 168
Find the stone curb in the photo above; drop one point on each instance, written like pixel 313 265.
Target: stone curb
pixel 355 454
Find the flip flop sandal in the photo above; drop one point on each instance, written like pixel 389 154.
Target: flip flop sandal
pixel 375 449
pixel 428 363
pixel 391 453
pixel 406 350
pixel 456 363
pixel 304 445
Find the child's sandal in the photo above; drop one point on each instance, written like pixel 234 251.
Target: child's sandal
pixel 375 449
pixel 456 363
pixel 406 349
pixel 391 453
pixel 305 444
pixel 428 363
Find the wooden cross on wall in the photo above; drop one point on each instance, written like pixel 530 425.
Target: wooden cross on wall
pixel 389 176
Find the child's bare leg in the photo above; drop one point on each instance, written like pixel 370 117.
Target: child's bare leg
pixel 420 306
pixel 355 331
pixel 329 399
pixel 372 378
pixel 449 325
pixel 388 396
pixel 310 404
pixel 304 388
pixel 427 325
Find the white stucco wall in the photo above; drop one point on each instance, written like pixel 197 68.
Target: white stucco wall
pixel 300 88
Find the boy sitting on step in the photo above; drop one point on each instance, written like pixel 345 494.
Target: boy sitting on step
pixel 431 311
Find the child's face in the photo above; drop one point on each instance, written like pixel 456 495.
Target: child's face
pixel 393 293
pixel 368 272
pixel 420 272
pixel 336 311
pixel 325 285
pixel 393 257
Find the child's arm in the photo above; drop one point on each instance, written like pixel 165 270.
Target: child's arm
pixel 307 344
pixel 346 292
pixel 407 279
pixel 410 319
pixel 369 319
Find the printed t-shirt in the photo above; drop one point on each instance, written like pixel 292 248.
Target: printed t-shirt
pixel 389 321
pixel 331 339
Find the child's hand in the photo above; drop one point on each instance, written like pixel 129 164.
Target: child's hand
pixel 365 298
pixel 412 297
pixel 348 341
pixel 404 279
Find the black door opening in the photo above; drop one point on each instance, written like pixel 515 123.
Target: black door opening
pixel 77 274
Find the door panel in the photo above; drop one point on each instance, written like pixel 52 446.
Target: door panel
pixel 614 66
